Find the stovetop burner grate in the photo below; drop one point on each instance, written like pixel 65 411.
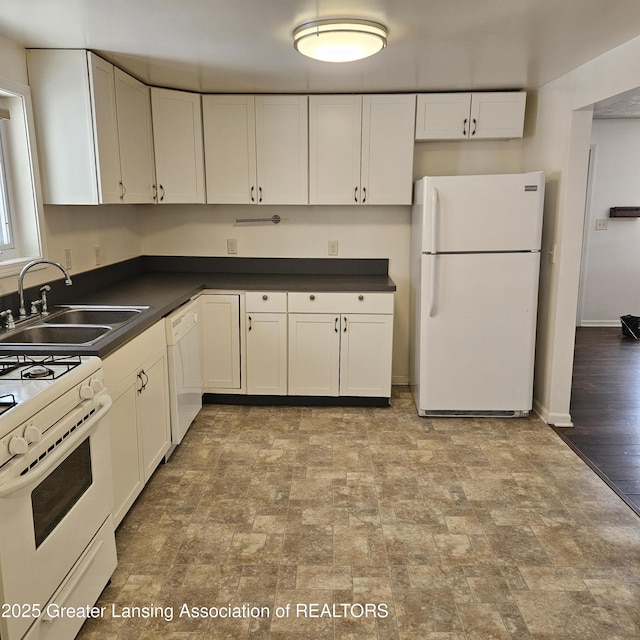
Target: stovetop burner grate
pixel 30 367
pixel 6 402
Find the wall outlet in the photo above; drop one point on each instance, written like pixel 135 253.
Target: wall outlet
pixel 98 255
pixel 602 224
pixel 333 247
pixel 232 245
pixel 67 259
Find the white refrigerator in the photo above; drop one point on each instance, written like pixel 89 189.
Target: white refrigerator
pixel 475 261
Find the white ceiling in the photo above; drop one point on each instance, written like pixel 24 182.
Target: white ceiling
pixel 246 46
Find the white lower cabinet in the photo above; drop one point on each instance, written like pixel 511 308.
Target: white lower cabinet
pixel 276 343
pixel 314 354
pixel 221 356
pixel 344 353
pixel 365 355
pixel 136 377
pixel 266 342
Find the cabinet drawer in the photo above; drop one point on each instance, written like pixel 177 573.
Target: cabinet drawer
pixel 327 302
pixel 265 301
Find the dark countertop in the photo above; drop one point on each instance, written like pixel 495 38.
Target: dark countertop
pixel 162 292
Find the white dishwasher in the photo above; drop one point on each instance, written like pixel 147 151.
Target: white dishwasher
pixel 185 372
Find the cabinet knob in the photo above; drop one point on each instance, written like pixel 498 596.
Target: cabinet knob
pixel 312 297
pixel 265 297
pixel 360 297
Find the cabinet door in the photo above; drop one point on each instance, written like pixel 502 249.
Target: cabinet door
pixel 153 412
pixel 220 326
pixel 135 137
pixel 314 354
pixel 387 149
pixel 498 115
pixel 105 131
pixel 73 99
pixel 177 141
pixel 282 149
pixel 365 355
pixel 443 116
pixel 229 148
pixel 267 354
pixel 334 149
pixel 126 457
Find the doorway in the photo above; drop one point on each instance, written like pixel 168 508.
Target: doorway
pixel 605 396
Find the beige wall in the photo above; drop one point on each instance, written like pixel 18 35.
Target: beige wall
pixel 13 61
pixel 361 232
pixel 557 141
pixel 611 259
pixel 115 229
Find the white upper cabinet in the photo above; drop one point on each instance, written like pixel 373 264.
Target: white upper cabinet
pixel 335 127
pixel 135 138
pixel 107 150
pixel 93 128
pixel 361 149
pixel 178 147
pixel 71 91
pixel 282 149
pixel 229 148
pixel 256 149
pixel 387 148
pixel 464 116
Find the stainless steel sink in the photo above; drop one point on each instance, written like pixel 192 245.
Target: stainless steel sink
pixel 88 315
pixel 55 334
pixel 71 325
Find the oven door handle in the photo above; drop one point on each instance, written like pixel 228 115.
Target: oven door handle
pixel 52 460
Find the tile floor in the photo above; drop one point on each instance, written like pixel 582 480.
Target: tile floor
pixel 447 529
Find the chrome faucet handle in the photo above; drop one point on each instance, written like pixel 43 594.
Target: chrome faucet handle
pixel 7 314
pixel 34 307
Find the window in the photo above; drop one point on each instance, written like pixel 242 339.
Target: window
pixel 6 238
pixel 20 207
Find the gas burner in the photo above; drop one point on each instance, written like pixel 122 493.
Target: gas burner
pixel 36 372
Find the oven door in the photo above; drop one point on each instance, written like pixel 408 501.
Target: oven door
pixel 53 501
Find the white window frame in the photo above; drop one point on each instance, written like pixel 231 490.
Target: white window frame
pixel 6 206
pixel 22 179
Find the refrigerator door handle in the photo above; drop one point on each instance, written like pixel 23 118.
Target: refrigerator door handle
pixel 433 289
pixel 435 212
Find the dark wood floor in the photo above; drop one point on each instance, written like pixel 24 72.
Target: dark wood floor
pixel 605 408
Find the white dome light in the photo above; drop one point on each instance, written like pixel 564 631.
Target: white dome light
pixel 340 40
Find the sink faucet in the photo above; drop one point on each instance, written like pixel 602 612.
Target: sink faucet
pixel 23 312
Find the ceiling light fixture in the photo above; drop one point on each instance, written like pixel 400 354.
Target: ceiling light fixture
pixel 340 40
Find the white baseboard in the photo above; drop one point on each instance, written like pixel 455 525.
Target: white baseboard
pixel 553 419
pixel 600 323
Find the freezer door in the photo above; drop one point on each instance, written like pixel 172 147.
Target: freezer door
pixel 482 213
pixel 477 332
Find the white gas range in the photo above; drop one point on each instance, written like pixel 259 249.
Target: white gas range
pixel 57 545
